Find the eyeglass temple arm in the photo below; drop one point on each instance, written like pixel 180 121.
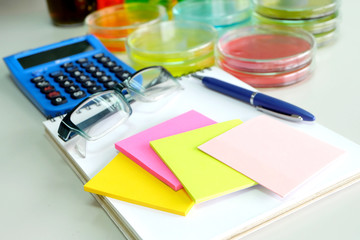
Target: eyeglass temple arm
pixel 66 132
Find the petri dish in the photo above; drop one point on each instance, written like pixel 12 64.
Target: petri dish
pixel 179 46
pixel 266 49
pixel 221 14
pixel 323 39
pixel 112 25
pixel 315 26
pixel 265 80
pixel 295 9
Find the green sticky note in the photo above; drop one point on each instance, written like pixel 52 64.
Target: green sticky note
pixel 202 176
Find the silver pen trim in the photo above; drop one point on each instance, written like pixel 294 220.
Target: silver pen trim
pixel 293 117
pixel 252 98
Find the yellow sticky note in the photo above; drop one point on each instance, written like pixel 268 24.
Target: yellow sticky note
pixel 124 180
pixel 202 176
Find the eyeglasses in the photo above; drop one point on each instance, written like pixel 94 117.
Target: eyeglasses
pixel 104 111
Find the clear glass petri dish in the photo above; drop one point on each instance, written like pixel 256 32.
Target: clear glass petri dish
pixel 295 9
pixel 266 80
pixel 112 25
pixel 266 49
pixel 221 14
pixel 179 46
pixel 326 38
pixel 315 26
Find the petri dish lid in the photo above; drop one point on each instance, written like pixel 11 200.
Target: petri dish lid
pixel 264 80
pixel 266 49
pixel 326 38
pixel 295 9
pixel 125 16
pixel 315 26
pixel 172 41
pixel 218 13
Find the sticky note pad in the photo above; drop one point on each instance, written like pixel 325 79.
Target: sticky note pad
pixel 202 176
pixel 272 153
pixel 137 147
pixel 124 180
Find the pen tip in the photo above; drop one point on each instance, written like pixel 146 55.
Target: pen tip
pixel 196 76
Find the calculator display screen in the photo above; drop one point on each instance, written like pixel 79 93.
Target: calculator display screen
pixel 54 54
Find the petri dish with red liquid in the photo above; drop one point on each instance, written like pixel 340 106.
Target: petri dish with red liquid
pixel 277 79
pixel 262 50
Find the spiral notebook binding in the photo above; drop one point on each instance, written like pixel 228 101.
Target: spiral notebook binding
pixel 187 75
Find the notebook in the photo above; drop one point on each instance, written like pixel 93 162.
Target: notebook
pixel 275 155
pixel 138 149
pixel 245 210
pixel 202 176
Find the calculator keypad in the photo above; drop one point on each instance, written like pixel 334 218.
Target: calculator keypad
pixel 80 78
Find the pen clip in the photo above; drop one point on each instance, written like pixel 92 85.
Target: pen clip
pixel 293 117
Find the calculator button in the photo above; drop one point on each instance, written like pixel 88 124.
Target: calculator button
pixel 53 94
pixel 103 59
pixel 56 73
pixel 94 89
pixel 110 64
pixel 123 75
pixel 104 79
pixel 47 89
pixel 82 78
pixel 42 84
pixel 82 60
pixel 116 69
pixel 61 78
pixel 67 65
pixel 92 69
pixel 98 74
pixel 37 79
pixel 88 84
pixel 110 84
pixel 58 100
pixel 76 73
pixel 78 94
pixel 72 89
pixel 86 64
pixel 98 55
pixel 71 69
pixel 66 83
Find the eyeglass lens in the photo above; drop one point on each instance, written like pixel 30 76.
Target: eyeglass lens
pixel 99 115
pixel 152 84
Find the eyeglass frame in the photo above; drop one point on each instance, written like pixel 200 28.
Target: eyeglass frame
pixel 67 129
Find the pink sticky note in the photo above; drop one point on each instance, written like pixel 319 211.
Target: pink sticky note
pixel 271 153
pixel 138 149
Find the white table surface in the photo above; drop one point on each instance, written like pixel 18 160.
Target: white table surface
pixel 42 198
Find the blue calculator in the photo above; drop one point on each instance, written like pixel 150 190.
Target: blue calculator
pixel 58 76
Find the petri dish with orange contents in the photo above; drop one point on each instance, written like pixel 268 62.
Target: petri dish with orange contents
pixel 179 46
pixel 112 25
pixel 266 56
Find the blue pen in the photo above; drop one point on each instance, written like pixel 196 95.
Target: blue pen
pixel 260 101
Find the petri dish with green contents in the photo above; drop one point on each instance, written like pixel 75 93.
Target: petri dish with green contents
pixel 325 38
pixel 181 47
pixel 314 26
pixel 295 9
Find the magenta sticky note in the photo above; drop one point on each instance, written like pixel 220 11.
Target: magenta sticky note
pixel 138 149
pixel 275 155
